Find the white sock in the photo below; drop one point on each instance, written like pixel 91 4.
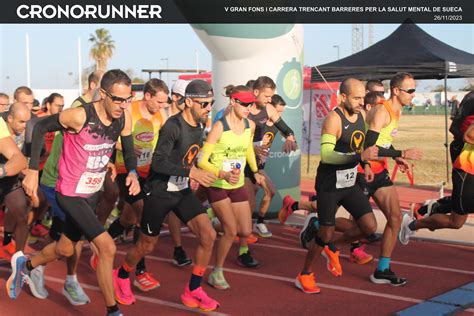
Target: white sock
pixel 71 278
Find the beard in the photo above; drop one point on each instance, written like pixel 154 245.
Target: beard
pixel 198 118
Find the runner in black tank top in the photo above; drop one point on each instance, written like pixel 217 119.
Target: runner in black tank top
pixel 342 142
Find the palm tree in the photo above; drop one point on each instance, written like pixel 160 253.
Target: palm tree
pixel 102 49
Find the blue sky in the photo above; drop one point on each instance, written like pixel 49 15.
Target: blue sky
pixel 53 49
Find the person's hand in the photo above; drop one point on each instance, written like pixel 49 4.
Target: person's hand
pixel 370 153
pixel 112 170
pixel 368 174
pixel 131 181
pixel 412 154
pixel 289 145
pixel 230 177
pixel 30 182
pixel 259 179
pixel 402 164
pixel 203 177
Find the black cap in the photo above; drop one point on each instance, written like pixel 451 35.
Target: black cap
pixel 198 89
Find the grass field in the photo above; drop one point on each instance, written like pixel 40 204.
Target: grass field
pixel 425 132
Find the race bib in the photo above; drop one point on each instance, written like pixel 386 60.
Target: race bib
pixel 90 182
pixel 346 178
pixel 176 184
pixel 145 157
pixel 229 164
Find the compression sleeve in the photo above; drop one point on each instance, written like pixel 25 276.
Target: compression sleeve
pixel 128 152
pixel 251 159
pixel 203 159
pixel 330 156
pixel 390 152
pixel 48 124
pixel 371 138
pixel 283 128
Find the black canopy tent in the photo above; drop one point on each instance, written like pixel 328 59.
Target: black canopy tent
pixel 407 49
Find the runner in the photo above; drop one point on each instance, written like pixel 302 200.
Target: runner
pixel 4 102
pixel 90 134
pixel 93 84
pixel 342 140
pixel 227 149
pixel 167 189
pixel 24 95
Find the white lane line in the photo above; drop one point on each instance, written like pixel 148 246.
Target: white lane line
pixel 138 297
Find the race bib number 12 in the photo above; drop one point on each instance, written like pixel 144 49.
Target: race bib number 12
pixel 346 178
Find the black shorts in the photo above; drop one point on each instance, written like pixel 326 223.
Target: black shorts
pixel 249 174
pixel 352 199
pixel 8 185
pixel 80 216
pixel 56 229
pixel 130 199
pixel 463 192
pixel 185 205
pixel 381 179
pixel 219 194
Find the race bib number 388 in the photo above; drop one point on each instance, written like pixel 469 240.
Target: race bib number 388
pixel 346 178
pixel 90 182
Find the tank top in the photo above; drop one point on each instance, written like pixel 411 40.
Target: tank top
pixel 465 160
pixel 230 150
pixel 84 157
pixel 145 136
pixel 260 120
pixel 337 177
pixel 269 134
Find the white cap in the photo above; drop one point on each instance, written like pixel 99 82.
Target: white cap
pixel 179 87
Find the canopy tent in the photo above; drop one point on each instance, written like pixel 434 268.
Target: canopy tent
pixel 407 49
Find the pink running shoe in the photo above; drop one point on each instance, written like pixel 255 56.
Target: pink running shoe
pixel 285 209
pixel 123 290
pixel 94 260
pixel 359 256
pixel 198 298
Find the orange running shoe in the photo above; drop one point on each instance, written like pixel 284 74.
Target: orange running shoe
pixel 307 283
pixel 146 282
pixel 332 258
pixel 359 256
pixel 285 209
pixel 251 239
pixel 7 251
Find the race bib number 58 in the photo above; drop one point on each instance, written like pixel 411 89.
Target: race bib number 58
pixel 346 178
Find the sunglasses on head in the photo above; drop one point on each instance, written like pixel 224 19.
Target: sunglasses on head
pixel 244 104
pixel 204 104
pixel 409 91
pixel 118 100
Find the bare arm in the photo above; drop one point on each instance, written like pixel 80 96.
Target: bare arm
pixel 16 162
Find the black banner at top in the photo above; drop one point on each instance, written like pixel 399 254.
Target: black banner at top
pixel 238 11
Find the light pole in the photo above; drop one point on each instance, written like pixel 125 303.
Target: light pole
pixel 337 46
pixel 167 68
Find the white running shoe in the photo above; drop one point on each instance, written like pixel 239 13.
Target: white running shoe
pixel 262 230
pixel 405 231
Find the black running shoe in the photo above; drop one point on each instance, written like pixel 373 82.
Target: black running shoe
pixel 374 237
pixel 180 259
pixel 309 230
pixel 246 260
pixel 387 276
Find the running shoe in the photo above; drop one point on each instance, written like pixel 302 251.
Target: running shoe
pixel 307 283
pixel 198 298
pixel 387 276
pixel 38 230
pixel 7 251
pixel 116 313
pixel 415 210
pixel 19 275
pixel 36 283
pixel 217 280
pixel 262 230
pixel 285 209
pixel 251 239
pixel 431 207
pixel 94 261
pixel 332 259
pixel 75 294
pixel 145 282
pixel 373 238
pixel 405 231
pixel 359 256
pixel 123 291
pixel 180 259
pixel 309 230
pixel 246 260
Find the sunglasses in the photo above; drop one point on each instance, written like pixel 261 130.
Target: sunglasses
pixel 409 91
pixel 204 104
pixel 118 100
pixel 243 103
pixel 380 93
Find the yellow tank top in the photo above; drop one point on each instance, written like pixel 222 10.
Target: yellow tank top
pixel 230 150
pixel 465 160
pixel 145 136
pixel 386 137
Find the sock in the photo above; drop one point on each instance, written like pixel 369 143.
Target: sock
pixel 196 277
pixel 260 219
pixel 28 266
pixel 332 247
pixel 178 248
pixel 412 225
pixel 140 268
pixel 71 278
pixel 115 229
pixel 217 269
pixel 124 271
pixel 354 245
pixel 305 273
pixel 295 206
pixel 384 263
pixel 112 309
pixel 7 238
pixel 243 249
